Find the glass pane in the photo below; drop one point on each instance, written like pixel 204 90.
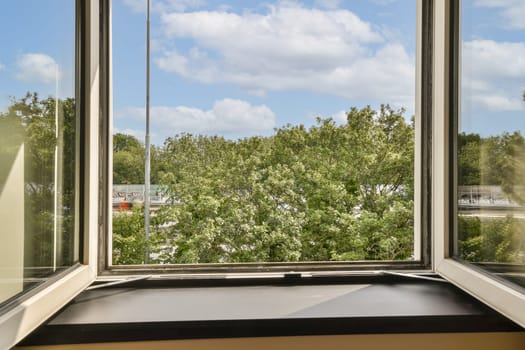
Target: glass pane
pixel 282 131
pixel 491 145
pixel 38 143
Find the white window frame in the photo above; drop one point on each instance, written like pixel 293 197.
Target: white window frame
pixel 33 308
pixel 504 299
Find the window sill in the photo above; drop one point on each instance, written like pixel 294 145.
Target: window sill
pixel 169 313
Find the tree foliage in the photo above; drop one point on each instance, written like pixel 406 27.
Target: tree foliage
pixel 492 239
pixel 32 122
pixel 328 192
pixel 128 160
pixel 494 160
pixel 332 191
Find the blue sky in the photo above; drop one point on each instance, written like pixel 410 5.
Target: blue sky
pixel 493 66
pixel 38 43
pixel 273 63
pixel 242 68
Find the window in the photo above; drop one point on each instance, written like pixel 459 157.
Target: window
pixel 491 146
pixel 43 262
pixel 485 253
pixel 282 132
pixel 450 79
pixel 39 147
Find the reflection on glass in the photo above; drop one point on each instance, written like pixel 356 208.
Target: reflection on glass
pixel 38 152
pixel 491 143
pixel 264 147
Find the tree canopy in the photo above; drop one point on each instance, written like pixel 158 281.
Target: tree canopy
pixel 32 121
pixel 328 192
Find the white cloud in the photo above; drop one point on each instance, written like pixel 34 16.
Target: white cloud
pixel 493 74
pixel 494 59
pixel 497 103
pixel 290 48
pixel 513 11
pixel 515 15
pixel 37 67
pixel 227 116
pixel 2 67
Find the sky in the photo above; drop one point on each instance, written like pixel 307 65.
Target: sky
pixel 493 66
pixel 241 68
pixel 37 41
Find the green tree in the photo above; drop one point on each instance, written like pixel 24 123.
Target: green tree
pixel 491 239
pixel 128 160
pixel 129 242
pixel 32 121
pixel 469 171
pixel 497 160
pixel 328 192
pixel 494 161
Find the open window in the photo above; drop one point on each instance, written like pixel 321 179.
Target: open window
pixel 479 151
pixel 46 160
pixel 56 204
pixel 288 135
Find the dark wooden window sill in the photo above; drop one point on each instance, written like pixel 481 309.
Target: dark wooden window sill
pixel 163 312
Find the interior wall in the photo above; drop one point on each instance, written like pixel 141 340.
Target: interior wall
pixel 448 341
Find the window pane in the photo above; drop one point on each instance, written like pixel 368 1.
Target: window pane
pixel 281 131
pixel 490 143
pixel 38 143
